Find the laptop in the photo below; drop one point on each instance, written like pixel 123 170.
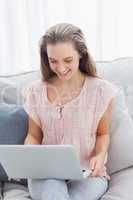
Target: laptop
pixel 41 161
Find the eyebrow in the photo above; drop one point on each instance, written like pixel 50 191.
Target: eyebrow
pixel 70 57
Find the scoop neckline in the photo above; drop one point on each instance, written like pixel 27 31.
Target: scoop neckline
pixel 72 100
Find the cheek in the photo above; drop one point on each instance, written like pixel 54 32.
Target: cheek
pixel 74 66
pixel 53 67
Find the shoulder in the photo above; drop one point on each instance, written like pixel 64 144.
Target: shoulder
pixel 101 84
pixel 103 90
pixel 33 88
pixel 107 91
pixel 108 87
pixel 100 80
pixel 105 85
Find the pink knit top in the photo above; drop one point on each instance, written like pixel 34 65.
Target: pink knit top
pixel 77 123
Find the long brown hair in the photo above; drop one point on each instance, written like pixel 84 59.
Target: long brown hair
pixel 65 32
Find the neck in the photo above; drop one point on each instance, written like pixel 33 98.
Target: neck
pixel 73 83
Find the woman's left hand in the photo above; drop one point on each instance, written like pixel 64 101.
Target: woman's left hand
pixel 97 165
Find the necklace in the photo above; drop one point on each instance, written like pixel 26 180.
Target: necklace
pixel 60 106
pixel 59 110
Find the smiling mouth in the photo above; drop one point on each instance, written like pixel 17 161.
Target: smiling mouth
pixel 65 73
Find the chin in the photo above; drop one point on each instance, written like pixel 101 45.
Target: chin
pixel 68 77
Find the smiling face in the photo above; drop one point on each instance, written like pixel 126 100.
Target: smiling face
pixel 63 60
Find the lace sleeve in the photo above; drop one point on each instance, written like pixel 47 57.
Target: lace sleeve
pixel 30 103
pixel 107 92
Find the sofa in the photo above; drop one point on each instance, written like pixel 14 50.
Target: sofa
pixel 120 160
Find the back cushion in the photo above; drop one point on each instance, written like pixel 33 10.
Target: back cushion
pixel 10 86
pixel 119 71
pixel 13 128
pixel 121 136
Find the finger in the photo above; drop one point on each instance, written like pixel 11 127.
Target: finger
pixel 92 165
pixel 96 171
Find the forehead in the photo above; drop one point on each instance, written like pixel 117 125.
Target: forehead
pixel 61 50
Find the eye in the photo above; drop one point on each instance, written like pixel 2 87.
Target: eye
pixel 68 61
pixel 53 61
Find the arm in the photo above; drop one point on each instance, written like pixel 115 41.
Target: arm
pixel 102 138
pixel 102 141
pixel 34 135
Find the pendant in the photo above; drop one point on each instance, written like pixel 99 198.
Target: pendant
pixel 59 110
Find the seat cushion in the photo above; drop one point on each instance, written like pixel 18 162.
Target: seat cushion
pixel 120 186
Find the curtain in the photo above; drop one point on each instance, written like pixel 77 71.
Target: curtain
pixel 107 26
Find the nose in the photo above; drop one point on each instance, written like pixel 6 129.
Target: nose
pixel 61 68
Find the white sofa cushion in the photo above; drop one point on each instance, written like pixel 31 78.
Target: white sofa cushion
pixel 120 186
pixel 10 86
pixel 119 71
pixel 121 133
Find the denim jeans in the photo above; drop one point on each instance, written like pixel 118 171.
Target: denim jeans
pixel 91 188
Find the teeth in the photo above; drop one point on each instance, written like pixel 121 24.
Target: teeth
pixel 64 72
